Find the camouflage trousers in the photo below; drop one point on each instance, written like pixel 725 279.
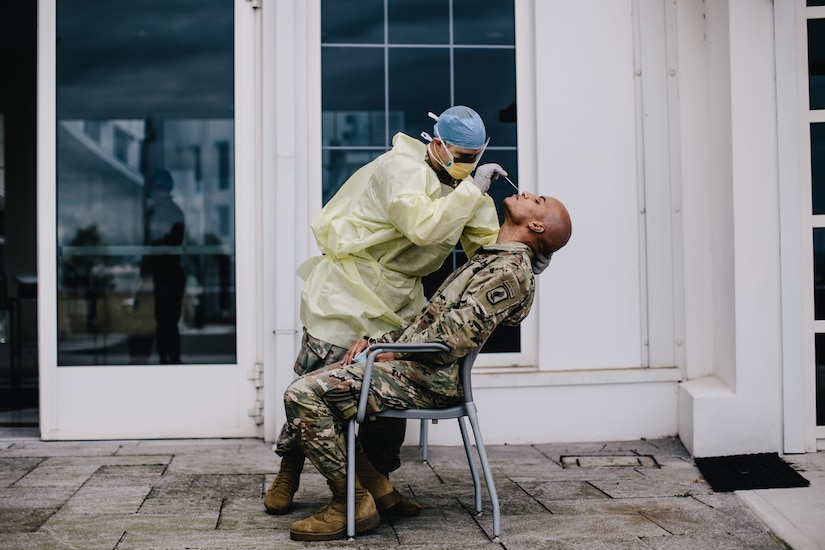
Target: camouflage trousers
pixel 320 404
pixel 381 439
pixel 316 354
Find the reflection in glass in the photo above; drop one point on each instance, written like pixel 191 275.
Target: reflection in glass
pixel 473 86
pixel 816 63
pixel 407 95
pixel 145 183
pixel 4 306
pixel 489 22
pixel 354 119
pixel 818 167
pixel 820 379
pixel 819 273
pixel 352 22
pixel 419 22
pixel 354 89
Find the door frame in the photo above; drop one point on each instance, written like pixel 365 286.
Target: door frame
pixel 800 432
pixel 151 401
pixel 290 140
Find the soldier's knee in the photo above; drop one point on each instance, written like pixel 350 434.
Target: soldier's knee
pixel 294 392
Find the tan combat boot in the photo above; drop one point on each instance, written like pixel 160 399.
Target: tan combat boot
pixel 330 522
pixel 387 499
pixel 278 498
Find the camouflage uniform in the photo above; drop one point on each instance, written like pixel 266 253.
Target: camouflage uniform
pixel 496 286
pixel 316 354
pixel 381 440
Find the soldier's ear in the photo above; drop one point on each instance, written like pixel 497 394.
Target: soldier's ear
pixel 536 226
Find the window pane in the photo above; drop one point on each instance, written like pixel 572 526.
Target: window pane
pixel 473 87
pixel 343 128
pixel 818 167
pixel 352 21
pixel 348 88
pixel 126 59
pixel 408 98
pixel 819 273
pixel 816 63
pixel 2 188
pixel 418 21
pixel 489 22
pixel 145 182
pixel 820 379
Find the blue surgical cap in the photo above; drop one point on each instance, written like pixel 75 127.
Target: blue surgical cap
pixel 462 127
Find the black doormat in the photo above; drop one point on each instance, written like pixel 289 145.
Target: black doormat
pixel 754 471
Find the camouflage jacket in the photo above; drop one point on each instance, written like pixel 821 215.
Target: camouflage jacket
pixel 495 286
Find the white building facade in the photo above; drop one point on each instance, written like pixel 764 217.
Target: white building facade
pixel 682 136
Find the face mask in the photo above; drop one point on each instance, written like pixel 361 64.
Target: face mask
pixel 455 167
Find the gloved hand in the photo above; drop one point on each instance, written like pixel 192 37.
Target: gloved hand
pixel 540 262
pixel 486 174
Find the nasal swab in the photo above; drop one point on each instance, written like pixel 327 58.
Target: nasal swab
pixel 511 183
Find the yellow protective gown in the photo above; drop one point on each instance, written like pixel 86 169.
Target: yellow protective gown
pixel 391 223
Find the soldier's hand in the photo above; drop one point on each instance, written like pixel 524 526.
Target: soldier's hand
pixel 357 347
pixel 540 262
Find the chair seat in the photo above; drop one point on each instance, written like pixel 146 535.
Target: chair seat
pixel 456 411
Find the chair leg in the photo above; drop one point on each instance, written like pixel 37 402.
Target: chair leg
pixel 351 480
pixel 423 439
pixel 468 449
pixel 472 414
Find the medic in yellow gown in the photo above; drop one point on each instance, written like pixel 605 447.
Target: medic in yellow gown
pixel 394 221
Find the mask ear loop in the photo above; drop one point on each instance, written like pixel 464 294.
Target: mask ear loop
pixel 427 137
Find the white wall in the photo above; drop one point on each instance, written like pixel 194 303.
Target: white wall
pixel 569 413
pixel 735 407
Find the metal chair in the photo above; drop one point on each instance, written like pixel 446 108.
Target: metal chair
pixel 465 408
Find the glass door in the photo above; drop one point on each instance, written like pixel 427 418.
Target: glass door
pixel 145 312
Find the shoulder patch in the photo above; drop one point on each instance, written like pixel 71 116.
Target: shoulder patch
pixel 501 293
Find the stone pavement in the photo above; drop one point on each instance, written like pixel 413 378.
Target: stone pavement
pixel 208 494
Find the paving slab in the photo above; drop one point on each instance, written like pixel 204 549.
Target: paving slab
pixel 208 494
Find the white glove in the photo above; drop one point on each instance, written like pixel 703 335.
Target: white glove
pixel 486 174
pixel 540 262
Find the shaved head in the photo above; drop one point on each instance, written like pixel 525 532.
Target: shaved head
pixel 540 222
pixel 558 226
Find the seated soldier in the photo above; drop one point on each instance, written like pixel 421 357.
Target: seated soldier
pixel 495 286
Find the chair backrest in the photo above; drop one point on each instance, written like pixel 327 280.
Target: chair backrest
pixel 465 370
